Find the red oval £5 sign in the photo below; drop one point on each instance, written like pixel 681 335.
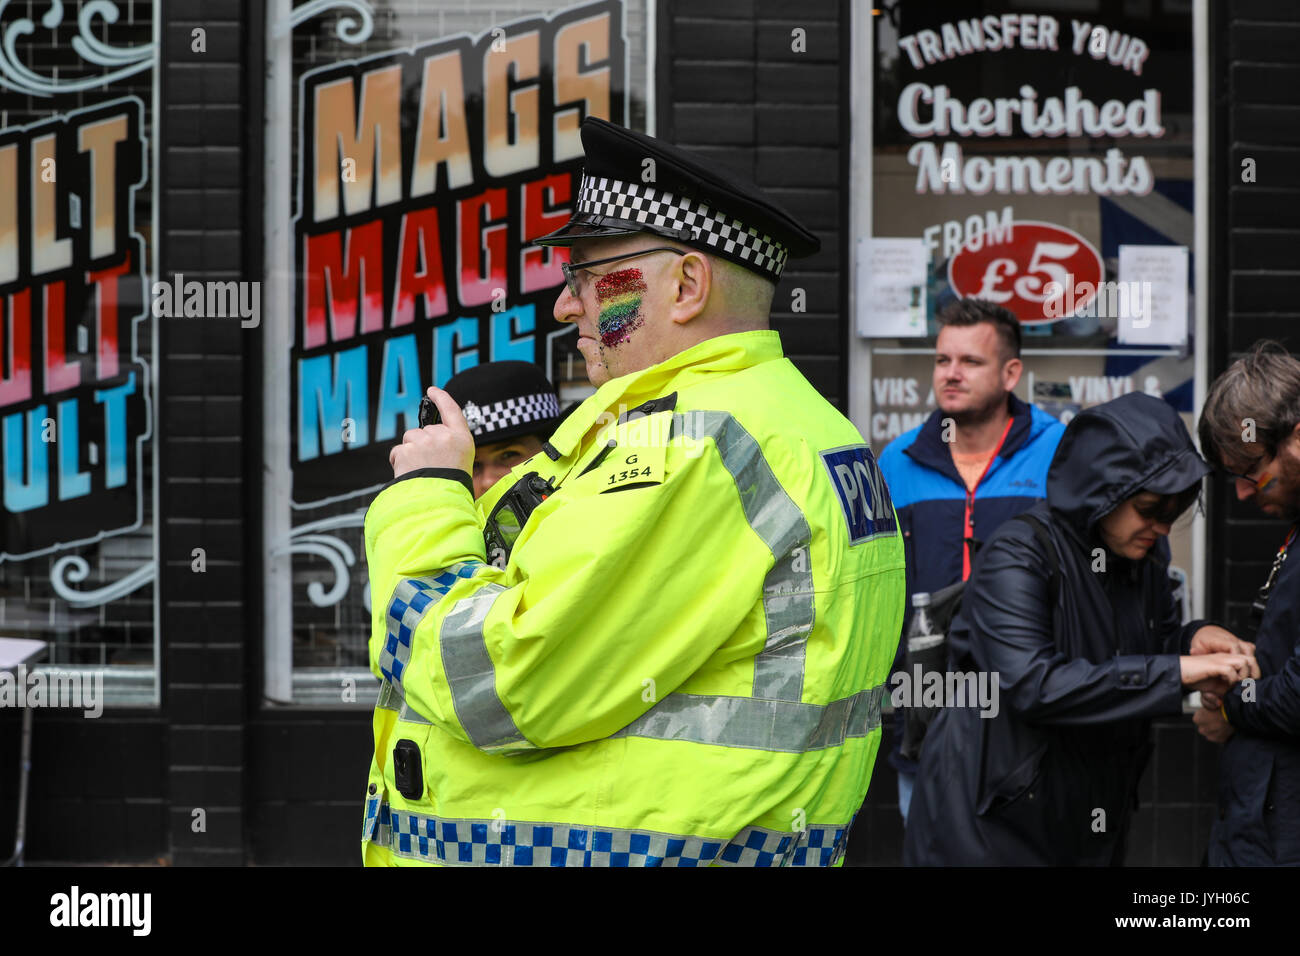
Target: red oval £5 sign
pixel 1038 271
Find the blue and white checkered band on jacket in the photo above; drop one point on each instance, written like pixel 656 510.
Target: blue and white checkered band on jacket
pixel 484 420
pixel 723 235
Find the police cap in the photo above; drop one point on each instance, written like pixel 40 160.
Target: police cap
pixel 502 400
pixel 680 196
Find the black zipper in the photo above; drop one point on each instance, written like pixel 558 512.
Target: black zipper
pixel 595 462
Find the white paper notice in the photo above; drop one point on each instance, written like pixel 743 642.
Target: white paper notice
pixel 892 275
pixel 1155 278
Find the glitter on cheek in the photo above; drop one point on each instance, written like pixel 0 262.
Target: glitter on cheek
pixel 619 294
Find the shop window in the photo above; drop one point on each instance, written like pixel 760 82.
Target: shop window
pixel 78 201
pixel 1043 156
pixel 412 148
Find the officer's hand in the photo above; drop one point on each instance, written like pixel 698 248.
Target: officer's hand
pixel 1212 639
pixel 445 445
pixel 1212 725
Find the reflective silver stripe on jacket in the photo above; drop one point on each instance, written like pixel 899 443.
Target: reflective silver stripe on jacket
pixel 472 676
pixel 390 699
pixel 777 520
pixel 757 724
pixel 470 842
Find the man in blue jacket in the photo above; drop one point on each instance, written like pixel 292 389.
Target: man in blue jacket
pixel 1251 427
pixel 980 458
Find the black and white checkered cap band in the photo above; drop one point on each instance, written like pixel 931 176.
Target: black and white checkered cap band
pixel 498 416
pixel 638 203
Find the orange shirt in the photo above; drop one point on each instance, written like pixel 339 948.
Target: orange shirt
pixel 971 465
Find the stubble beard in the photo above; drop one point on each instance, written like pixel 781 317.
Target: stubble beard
pixel 978 415
pixel 1288 479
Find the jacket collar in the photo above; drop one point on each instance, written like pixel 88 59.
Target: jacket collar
pixel 723 353
pixel 931 451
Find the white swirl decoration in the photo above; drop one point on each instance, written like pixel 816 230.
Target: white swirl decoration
pixel 349 29
pixel 120 61
pixel 304 539
pixel 75 569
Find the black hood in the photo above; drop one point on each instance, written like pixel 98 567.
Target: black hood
pixel 1112 451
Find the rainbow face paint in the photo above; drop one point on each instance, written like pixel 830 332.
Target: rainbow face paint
pixel 619 294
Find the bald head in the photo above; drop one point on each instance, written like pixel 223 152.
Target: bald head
pixel 739 298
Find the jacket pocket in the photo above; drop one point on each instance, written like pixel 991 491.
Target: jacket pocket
pixel 1011 758
pixel 1018 787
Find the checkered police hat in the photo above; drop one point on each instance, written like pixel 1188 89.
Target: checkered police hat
pixel 681 196
pixel 502 400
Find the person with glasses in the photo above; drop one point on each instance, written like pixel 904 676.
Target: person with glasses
pixel 1250 428
pixel 1071 609
pixel 664 640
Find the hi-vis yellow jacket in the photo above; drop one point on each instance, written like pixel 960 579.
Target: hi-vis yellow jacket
pixel 683 659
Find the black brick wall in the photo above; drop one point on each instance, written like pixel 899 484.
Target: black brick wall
pixel 1255 239
pixel 728 84
pixel 207 631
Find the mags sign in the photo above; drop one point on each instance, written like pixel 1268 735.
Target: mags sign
pixel 423 174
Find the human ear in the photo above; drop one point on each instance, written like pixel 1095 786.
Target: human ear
pixel 1011 374
pixel 693 280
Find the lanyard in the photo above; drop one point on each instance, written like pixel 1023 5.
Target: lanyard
pixel 968 529
pixel 1261 599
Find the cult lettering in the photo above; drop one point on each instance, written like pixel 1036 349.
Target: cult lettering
pixel 70 288
pixel 45 257
pixel 30 161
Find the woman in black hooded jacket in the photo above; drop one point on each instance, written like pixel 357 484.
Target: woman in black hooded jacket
pixel 1049 775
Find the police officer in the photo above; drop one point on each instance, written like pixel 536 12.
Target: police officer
pixel 510 408
pixel 682 660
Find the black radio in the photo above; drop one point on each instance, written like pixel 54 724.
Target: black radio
pixel 429 412
pixel 511 513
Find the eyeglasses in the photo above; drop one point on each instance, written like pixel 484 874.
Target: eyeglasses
pixel 571 269
pixel 1167 509
pixel 1256 482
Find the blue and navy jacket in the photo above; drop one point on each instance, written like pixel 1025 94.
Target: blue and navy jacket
pixel 930 498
